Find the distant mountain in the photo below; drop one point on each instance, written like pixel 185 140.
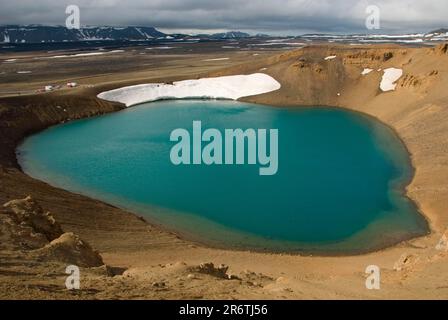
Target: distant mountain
pixel 262 35
pixel 230 35
pixel 50 34
pixel 434 36
pixel 438 34
pixel 439 31
pixel 38 34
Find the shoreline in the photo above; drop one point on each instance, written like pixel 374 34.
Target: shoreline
pixel 201 241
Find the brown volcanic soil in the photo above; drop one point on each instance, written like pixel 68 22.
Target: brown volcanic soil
pixel 159 264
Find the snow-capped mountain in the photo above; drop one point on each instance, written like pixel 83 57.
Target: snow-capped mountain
pixel 230 35
pixel 38 34
pixel 438 35
pixel 57 34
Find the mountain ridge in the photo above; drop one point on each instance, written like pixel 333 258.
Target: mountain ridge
pixel 40 33
pixel 34 33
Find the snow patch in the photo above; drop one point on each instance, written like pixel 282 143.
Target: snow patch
pixel 216 59
pixel 275 44
pixel 160 48
pixel 89 54
pixel 330 58
pixel 366 71
pixel 390 76
pixel 227 87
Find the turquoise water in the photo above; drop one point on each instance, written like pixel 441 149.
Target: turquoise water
pixel 339 186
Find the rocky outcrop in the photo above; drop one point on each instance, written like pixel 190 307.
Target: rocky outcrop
pixel 210 269
pixel 417 81
pixel 71 249
pixel 315 67
pixel 28 213
pixel 410 80
pixel 441 49
pixel 26 226
pixel 18 236
pixel 368 57
pixel 405 261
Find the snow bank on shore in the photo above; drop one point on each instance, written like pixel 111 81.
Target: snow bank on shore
pixel 228 87
pixel 390 76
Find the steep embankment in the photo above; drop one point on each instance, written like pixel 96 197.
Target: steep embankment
pixel 21 116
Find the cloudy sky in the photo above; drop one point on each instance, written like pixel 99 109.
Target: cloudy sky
pixel 266 16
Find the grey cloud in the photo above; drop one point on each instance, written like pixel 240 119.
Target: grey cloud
pixel 275 16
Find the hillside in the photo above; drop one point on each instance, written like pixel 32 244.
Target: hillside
pixel 38 34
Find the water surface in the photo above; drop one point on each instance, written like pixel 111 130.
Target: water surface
pixel 339 186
